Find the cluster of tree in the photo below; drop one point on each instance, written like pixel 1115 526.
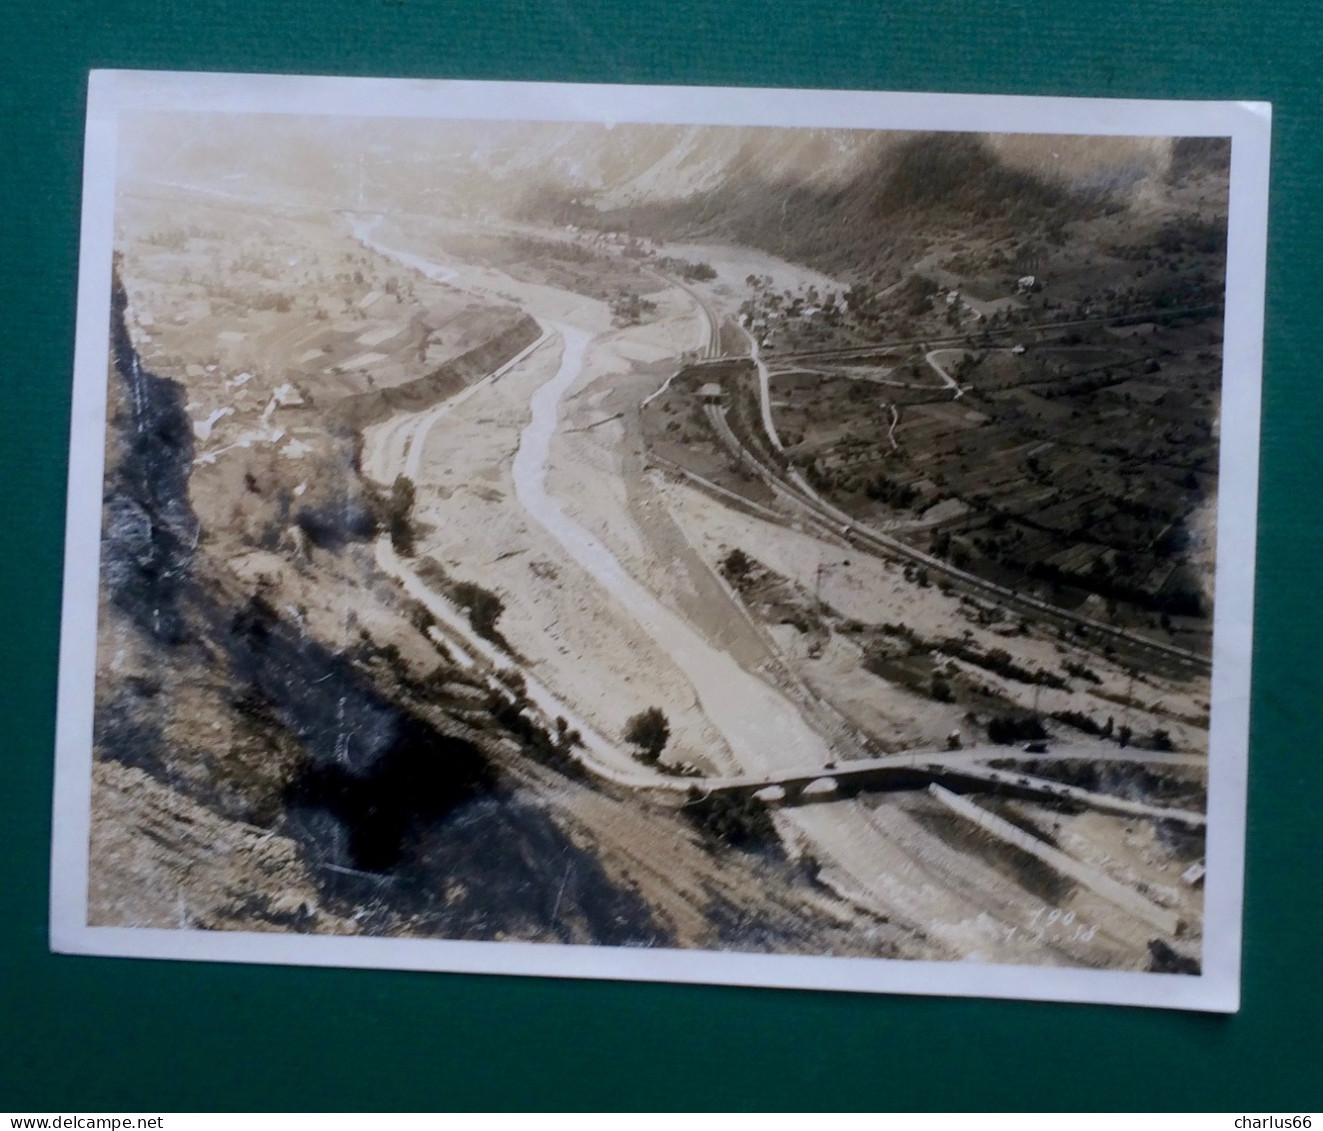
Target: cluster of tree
pixel 731 821
pixel 1081 671
pixel 278 301
pixel 508 705
pixel 917 294
pixel 884 489
pixel 1083 384
pixel 1160 739
pixel 1192 234
pixel 531 248
pixel 332 526
pixel 692 272
pixel 1181 596
pixel 566 735
pixel 999 660
pixel 878 486
pixel 337 510
pixel 630 307
pixel 1007 730
pixel 911 670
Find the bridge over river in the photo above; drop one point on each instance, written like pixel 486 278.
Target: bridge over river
pixel 966 771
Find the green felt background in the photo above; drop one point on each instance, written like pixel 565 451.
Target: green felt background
pixel 101 1034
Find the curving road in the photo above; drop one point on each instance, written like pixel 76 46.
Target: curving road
pixel 768 735
pixel 764 390
pixel 951 383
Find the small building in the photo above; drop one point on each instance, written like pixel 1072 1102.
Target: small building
pixel 286 396
pixel 712 393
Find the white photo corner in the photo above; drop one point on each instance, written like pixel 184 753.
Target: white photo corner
pixel 778 538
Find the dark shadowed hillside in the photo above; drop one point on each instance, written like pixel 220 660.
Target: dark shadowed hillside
pixel 947 181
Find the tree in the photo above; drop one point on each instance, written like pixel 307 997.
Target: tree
pixel 736 565
pixel 649 731
pixel 484 608
pixel 399 511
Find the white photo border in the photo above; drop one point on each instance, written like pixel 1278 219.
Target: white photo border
pixel 1247 124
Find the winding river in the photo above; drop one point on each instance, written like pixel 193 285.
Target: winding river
pixel 763 729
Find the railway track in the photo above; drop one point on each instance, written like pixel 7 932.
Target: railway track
pixel 713 348
pixel 841 525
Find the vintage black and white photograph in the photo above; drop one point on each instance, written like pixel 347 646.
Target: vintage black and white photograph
pixel 759 537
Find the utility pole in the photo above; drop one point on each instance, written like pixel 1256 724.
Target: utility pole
pixel 823 565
